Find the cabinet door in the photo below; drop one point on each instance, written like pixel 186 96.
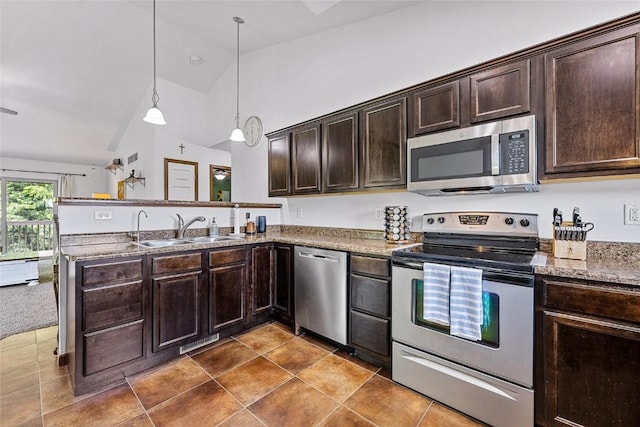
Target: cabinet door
pixel 306 159
pixel 593 105
pixel 262 278
pixel 436 108
pixel 383 146
pixel 340 153
pixel 500 92
pixel 176 309
pixel 591 371
pixel 226 296
pixel 283 278
pixel 279 165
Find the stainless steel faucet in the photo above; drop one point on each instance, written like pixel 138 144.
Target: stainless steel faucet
pixel 138 232
pixel 182 227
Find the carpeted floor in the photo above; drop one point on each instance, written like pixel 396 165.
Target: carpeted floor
pixel 25 308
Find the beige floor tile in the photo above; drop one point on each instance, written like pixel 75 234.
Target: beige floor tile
pixel 46 334
pixel 18 340
pixel 170 380
pixel 13 358
pixel 20 406
pixel 336 377
pixel 254 379
pixel 58 393
pixel 243 418
pixel 265 339
pixel 343 417
pixel 388 404
pixel 207 404
pixel 108 408
pixel 224 358
pixel 293 404
pixel 439 415
pixel 141 420
pixel 23 376
pixel 296 355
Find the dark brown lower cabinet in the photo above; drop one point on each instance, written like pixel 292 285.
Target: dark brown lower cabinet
pixel 176 310
pixel 176 286
pixel 227 288
pixel 261 279
pixel 283 283
pixel 370 308
pixel 106 322
pixel 588 354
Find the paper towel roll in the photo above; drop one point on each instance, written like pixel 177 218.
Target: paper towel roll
pixel 236 219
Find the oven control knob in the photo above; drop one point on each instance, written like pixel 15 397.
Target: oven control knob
pixel 524 222
pixel 508 220
pixel 429 220
pixel 441 220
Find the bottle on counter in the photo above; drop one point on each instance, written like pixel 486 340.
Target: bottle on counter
pixel 213 228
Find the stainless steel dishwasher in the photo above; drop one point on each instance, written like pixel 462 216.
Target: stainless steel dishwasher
pixel 320 278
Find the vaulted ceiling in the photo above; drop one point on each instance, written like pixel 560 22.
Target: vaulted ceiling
pixel 75 71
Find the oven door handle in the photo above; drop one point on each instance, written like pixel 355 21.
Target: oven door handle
pixel 410 264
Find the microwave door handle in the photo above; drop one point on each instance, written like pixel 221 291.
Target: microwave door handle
pixel 495 154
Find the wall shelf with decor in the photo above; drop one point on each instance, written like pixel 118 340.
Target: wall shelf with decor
pixel 114 166
pixel 132 179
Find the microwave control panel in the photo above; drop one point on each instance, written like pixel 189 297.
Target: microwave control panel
pixel 514 153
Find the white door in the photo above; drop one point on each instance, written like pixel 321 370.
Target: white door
pixel 181 180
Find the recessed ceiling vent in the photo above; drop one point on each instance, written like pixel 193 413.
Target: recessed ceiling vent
pixel 195 60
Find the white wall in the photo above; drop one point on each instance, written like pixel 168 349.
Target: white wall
pixel 81 219
pixel 95 180
pixel 188 114
pixel 325 72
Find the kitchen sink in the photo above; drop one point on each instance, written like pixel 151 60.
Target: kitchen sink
pixel 162 243
pixel 206 239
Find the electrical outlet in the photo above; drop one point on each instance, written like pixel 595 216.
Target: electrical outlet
pixel 299 212
pixel 101 215
pixel 378 213
pixel 632 214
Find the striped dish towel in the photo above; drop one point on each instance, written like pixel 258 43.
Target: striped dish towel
pixel 466 303
pixel 436 293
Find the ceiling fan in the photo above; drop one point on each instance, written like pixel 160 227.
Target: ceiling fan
pixel 8 111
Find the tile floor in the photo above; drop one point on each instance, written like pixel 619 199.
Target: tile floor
pixel 265 377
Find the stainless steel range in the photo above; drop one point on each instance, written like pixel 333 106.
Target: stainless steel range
pixel 463 313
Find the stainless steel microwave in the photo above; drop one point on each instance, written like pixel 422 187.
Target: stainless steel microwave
pixel 497 157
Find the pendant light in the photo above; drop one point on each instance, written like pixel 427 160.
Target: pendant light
pixel 237 135
pixel 154 115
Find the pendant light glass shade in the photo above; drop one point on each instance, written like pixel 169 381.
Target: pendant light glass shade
pixel 236 134
pixel 154 115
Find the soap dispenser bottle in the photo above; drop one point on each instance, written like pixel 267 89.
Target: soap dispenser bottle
pixel 213 228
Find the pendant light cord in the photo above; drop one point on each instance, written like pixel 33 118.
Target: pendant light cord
pixel 238 22
pixel 154 98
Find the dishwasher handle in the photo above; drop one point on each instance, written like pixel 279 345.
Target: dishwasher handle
pixel 318 256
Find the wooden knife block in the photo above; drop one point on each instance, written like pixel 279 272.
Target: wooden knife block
pixel 569 249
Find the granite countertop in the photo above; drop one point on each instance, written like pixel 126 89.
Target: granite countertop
pixel 604 265
pixel 614 270
pixel 118 248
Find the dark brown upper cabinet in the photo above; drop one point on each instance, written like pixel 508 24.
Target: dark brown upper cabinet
pixel 340 152
pixel 383 146
pixel 436 108
pixel 306 159
pixel 279 165
pixel 500 92
pixel 593 106
pixel 490 94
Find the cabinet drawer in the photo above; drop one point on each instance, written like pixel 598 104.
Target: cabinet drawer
pixel 176 263
pixel 111 347
pixel 370 265
pixel 369 332
pixel 611 303
pixel 110 305
pixel 111 272
pixel 370 295
pixel 228 256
